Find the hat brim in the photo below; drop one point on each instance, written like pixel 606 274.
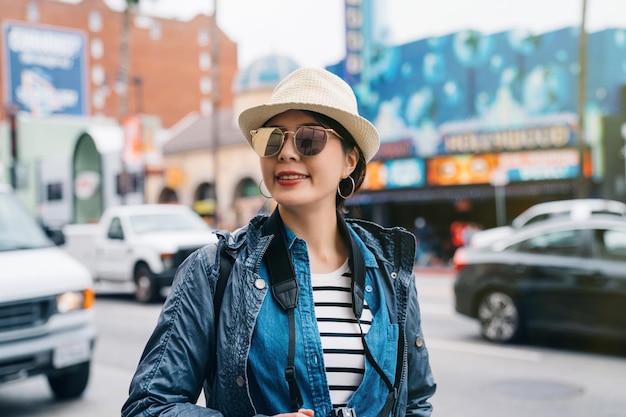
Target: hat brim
pixel 363 132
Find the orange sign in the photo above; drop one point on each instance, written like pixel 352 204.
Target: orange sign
pixel 461 169
pixel 132 152
pixel 375 177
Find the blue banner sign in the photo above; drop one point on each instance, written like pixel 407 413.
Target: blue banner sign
pixel 45 69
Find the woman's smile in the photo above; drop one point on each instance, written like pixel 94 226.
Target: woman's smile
pixel 290 178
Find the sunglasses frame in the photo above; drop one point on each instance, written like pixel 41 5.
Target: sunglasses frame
pixel 294 134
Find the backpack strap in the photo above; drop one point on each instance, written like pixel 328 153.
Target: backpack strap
pixel 226 264
pixel 286 291
pixel 357 266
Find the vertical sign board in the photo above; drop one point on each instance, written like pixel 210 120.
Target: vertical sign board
pixel 363 33
pixel 355 42
pixel 45 69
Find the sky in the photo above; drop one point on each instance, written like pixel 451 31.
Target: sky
pixel 312 31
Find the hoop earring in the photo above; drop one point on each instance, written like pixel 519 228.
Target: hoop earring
pixel 261 190
pixel 345 197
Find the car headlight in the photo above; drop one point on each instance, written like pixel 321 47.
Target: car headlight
pixel 75 300
pixel 168 260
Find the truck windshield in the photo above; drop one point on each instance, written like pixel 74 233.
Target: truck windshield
pixel 18 229
pixel 161 222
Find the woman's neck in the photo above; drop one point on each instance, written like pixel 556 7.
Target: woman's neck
pixel 327 250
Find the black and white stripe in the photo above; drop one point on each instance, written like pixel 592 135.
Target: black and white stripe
pixel 341 337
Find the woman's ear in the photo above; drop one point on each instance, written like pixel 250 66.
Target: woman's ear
pixel 352 159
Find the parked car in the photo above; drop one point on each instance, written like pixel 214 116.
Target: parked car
pixel 138 247
pixel 580 208
pixel 560 275
pixel 47 324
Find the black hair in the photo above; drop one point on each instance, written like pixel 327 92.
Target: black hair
pixel 348 143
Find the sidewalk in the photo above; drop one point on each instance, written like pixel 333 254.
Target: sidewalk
pixel 434 270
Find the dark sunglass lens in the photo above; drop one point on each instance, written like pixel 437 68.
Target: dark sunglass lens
pixel 274 142
pixel 267 141
pixel 310 140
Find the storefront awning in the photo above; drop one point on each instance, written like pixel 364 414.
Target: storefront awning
pixel 451 193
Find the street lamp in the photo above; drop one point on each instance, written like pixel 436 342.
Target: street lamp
pixel 582 90
pixel 499 179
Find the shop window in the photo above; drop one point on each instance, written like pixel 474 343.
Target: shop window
pixel 168 196
pixel 130 182
pixel 54 191
pixel 248 188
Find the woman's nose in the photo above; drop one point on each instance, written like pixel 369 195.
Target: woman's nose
pixel 288 151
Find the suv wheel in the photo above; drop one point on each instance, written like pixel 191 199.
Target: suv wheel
pixel 499 317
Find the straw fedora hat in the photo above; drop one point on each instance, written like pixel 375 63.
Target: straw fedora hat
pixel 317 90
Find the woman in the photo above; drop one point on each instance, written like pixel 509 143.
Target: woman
pixel 320 314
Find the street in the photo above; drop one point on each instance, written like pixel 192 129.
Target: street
pixel 544 378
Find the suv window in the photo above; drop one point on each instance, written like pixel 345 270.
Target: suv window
pixel 609 244
pixel 562 242
pixel 543 217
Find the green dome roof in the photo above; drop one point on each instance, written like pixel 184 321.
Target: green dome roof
pixel 264 73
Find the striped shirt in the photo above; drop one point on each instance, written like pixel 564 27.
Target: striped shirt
pixel 344 355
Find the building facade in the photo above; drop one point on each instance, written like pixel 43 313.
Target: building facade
pixel 73 71
pixel 475 124
pixel 170 66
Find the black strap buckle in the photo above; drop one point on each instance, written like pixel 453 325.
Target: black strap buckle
pixel 290 373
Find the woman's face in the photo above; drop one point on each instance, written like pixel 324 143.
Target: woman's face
pixel 294 180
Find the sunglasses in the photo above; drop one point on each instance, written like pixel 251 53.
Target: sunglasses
pixel 308 140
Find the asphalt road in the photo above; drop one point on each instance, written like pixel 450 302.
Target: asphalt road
pixel 547 377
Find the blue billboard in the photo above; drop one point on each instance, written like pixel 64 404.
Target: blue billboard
pixel 45 69
pixel 467 82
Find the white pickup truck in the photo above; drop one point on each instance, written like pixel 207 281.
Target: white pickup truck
pixel 46 305
pixel 138 247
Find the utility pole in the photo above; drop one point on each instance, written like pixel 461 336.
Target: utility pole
pixel 215 97
pixel 122 84
pixel 123 76
pixel 582 189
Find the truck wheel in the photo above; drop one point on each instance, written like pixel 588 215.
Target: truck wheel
pixel 146 291
pixel 70 384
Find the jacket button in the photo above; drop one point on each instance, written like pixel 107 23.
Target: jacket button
pixel 240 382
pixel 419 342
pixel 394 275
pixel 259 283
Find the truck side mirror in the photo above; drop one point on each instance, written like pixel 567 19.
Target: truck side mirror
pixel 55 235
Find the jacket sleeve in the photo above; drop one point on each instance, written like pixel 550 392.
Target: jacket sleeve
pixel 176 358
pixel 420 382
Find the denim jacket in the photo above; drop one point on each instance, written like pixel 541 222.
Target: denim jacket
pixel 242 369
